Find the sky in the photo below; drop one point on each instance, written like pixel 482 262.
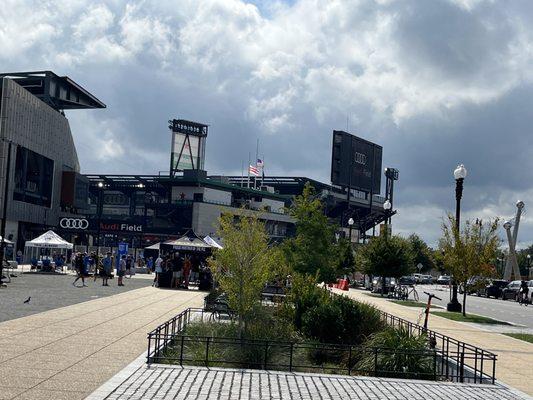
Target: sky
pixel 436 83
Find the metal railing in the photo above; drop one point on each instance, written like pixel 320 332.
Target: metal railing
pixel 462 362
pixel 445 359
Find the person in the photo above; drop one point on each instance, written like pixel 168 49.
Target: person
pixel 128 266
pixel 186 271
pixel 195 269
pixel 121 270
pixel 79 263
pixel 176 264
pixel 158 270
pixel 150 265
pixel 524 290
pixel 107 264
pixel 97 265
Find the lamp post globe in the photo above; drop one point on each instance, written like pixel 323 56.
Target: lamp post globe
pixel 350 224
pixel 460 172
pixel 387 205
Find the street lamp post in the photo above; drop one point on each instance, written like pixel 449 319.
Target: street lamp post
pixel 99 207
pixel 350 224
pixel 387 205
pixel 459 175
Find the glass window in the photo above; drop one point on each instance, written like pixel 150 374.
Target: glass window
pixel 34 178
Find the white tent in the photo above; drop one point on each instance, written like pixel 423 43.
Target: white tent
pixel 155 246
pixel 209 240
pixel 6 241
pixel 50 240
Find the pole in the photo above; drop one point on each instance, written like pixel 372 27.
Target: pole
pixel 248 184
pixel 454 304
pixel 4 210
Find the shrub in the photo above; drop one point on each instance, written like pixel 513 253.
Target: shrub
pixel 399 355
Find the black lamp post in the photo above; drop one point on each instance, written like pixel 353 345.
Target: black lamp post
pixel 99 209
pixel 459 175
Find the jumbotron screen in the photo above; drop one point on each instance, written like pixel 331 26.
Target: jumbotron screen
pixel 356 163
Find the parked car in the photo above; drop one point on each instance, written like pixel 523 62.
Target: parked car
pixel 493 289
pixel 427 279
pixel 473 284
pixel 444 280
pixel 417 277
pixel 511 291
pixel 407 280
pixel 390 283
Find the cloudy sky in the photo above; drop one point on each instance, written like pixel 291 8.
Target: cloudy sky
pixel 435 82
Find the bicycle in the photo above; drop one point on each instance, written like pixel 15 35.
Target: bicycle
pixel 403 293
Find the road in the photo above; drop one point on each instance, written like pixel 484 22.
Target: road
pixel 507 310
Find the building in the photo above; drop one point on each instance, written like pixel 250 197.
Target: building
pixel 36 148
pixel 45 189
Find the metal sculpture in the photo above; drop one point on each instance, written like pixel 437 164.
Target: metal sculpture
pixel 512 265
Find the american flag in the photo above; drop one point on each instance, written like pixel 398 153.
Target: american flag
pixel 253 170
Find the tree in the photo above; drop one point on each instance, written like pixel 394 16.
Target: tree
pixel 422 254
pixel 470 252
pixel 386 257
pixel 312 251
pixel 244 265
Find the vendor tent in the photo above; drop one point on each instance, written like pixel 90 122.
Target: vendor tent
pixel 189 242
pixel 6 241
pixel 209 240
pixel 50 240
pixel 155 246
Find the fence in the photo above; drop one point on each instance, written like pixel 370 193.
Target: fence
pixel 446 359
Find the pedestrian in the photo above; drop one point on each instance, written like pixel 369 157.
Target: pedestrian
pixel 158 270
pixel 176 264
pixel 121 270
pixel 195 269
pixel 128 266
pixel 107 266
pixel 524 290
pixel 79 263
pixel 186 271
pixel 150 265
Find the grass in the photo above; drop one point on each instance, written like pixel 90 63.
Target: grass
pixel 526 337
pixel 478 319
pixel 412 303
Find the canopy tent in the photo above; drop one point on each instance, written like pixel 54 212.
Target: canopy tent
pixel 155 246
pixel 189 242
pixel 50 240
pixel 6 241
pixel 212 242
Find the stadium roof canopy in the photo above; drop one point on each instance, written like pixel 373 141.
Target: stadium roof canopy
pixel 59 92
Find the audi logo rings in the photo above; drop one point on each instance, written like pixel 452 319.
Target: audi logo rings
pixel 74 223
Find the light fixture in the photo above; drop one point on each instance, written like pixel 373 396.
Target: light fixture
pixel 460 172
pixel 387 205
pixel 100 185
pixel 351 221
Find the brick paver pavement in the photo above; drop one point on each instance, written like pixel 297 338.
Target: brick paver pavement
pixel 67 353
pixel 187 383
pixel 515 357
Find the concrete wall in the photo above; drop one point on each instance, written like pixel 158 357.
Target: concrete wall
pixel 27 121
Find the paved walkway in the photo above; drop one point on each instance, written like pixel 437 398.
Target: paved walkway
pixel 67 353
pixel 515 357
pixel 161 382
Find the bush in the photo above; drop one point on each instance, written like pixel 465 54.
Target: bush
pixel 341 320
pixel 399 355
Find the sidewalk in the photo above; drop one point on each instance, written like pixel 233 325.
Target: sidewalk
pixel 68 352
pixel 514 365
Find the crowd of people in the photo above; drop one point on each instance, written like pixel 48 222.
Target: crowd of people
pixel 172 270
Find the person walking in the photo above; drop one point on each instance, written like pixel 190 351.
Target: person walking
pixel 121 270
pixel 158 270
pixel 107 266
pixel 524 290
pixel 128 266
pixel 79 263
pixel 176 264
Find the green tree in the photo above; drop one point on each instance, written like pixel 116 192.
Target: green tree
pixel 244 265
pixel 422 254
pixel 386 257
pixel 312 251
pixel 345 257
pixel 469 252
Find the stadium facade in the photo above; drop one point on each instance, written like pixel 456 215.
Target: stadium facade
pixel 47 191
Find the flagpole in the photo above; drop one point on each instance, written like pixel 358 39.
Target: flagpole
pixel 248 184
pixel 256 158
